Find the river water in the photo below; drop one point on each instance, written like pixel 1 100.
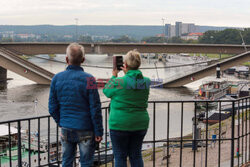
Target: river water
pixel 17 101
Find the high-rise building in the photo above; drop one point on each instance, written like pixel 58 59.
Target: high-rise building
pixel 178 29
pixel 168 30
pixel 184 28
pixel 191 28
pixel 172 31
pixel 188 28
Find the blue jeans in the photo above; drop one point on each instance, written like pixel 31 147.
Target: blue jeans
pixel 127 144
pixel 84 139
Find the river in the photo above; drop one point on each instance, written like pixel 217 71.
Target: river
pixel 17 101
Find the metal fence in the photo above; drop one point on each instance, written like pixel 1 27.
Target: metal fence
pixel 181 133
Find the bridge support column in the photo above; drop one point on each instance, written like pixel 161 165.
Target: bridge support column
pixel 3 78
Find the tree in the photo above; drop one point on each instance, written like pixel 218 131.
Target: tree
pixel 6 39
pixel 123 39
pixel 208 37
pixel 154 40
pixel 227 36
pixel 176 40
pixel 87 39
pixel 246 35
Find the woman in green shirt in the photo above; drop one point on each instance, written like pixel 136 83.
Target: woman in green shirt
pixel 129 120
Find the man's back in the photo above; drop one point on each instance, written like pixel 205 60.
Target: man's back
pixel 74 104
pixel 74 101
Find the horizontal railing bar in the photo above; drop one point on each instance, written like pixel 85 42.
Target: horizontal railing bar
pixel 31 118
pixel 103 108
pixel 194 100
pixel 187 140
pixel 25 119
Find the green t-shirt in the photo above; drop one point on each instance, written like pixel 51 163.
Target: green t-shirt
pixel 129 101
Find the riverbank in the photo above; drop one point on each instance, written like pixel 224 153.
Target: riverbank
pixel 212 150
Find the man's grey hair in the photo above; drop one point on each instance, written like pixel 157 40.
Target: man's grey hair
pixel 133 59
pixel 75 53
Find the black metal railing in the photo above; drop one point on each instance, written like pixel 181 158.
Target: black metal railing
pixel 181 133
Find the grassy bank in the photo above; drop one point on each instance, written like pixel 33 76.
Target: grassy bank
pixel 212 56
pixel 247 63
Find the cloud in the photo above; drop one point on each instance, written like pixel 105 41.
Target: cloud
pixel 142 12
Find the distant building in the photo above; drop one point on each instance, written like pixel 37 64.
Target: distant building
pixel 184 28
pixel 191 28
pixel 7 34
pixel 160 35
pixel 68 36
pixel 188 28
pixel 192 36
pixel 172 31
pixel 178 29
pixel 26 36
pixel 168 30
pixel 100 37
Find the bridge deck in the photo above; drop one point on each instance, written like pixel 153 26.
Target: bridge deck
pixel 11 61
pixel 35 48
pixel 194 76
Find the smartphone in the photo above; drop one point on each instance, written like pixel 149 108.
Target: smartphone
pixel 117 62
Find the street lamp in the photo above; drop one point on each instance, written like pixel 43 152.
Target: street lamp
pixel 163 24
pixel 76 19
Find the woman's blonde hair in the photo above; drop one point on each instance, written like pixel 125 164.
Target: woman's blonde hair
pixel 133 59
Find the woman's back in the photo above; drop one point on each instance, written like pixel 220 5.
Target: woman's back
pixel 129 101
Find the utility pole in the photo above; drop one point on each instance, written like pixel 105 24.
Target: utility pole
pixel 163 26
pixel 76 19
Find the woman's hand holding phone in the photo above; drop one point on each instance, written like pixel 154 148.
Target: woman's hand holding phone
pixel 115 72
pixel 124 69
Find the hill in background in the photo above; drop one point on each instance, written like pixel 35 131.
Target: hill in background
pixel 137 32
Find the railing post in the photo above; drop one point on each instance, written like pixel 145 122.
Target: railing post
pixel 19 144
pixel 232 135
pixel 154 134
pixel 106 137
pixel 10 145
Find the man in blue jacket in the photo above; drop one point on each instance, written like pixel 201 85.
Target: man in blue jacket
pixel 75 106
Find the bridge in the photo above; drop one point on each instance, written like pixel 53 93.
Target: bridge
pixel 117 48
pixel 10 60
pixel 210 70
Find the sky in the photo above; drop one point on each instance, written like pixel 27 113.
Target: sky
pixel 233 13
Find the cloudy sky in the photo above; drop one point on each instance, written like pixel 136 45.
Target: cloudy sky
pixel 125 12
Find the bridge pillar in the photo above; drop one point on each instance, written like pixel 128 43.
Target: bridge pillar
pixel 110 54
pixel 218 71
pixel 3 78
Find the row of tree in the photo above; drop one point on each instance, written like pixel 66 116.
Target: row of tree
pixel 227 36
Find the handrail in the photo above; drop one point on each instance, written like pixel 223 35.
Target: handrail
pixel 165 101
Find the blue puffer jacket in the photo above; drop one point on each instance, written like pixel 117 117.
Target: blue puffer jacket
pixel 74 101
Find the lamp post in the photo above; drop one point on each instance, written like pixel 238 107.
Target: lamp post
pixel 163 26
pixel 76 19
